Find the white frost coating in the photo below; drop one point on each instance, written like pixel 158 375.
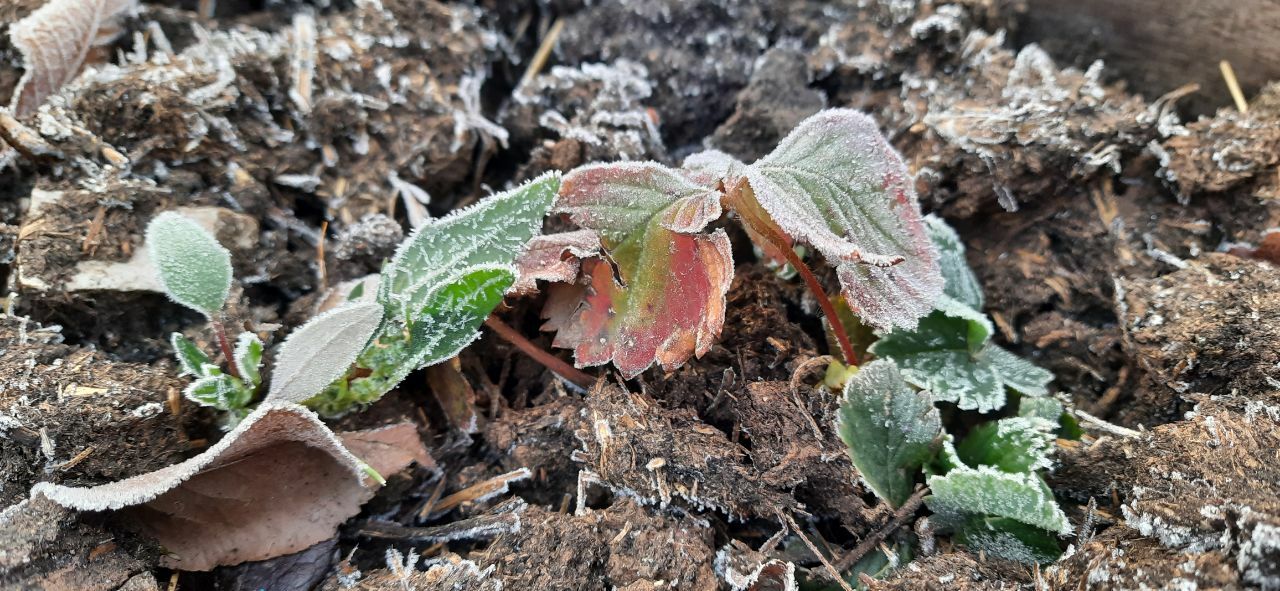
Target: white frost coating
pixel 322 350
pixel 741 581
pixel 987 491
pixel 836 184
pixel 248 437
pixel 1259 555
pixel 54 40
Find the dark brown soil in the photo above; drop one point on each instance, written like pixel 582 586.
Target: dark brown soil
pixel 1095 218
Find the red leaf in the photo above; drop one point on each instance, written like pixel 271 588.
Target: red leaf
pixel 672 309
pixel 555 258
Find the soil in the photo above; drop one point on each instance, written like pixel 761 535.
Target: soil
pixel 1098 220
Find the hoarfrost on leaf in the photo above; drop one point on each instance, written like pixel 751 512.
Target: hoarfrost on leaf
pixel 193 268
pixel 835 183
pixel 667 301
pixel 960 282
pixel 1014 444
pixel 248 357
pixel 54 41
pixel 322 350
pixel 988 491
pixel 889 427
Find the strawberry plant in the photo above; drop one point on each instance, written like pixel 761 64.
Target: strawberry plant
pixel 655 291
pixel 443 282
pixel 987 490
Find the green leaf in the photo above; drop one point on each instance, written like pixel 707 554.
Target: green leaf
pixel 219 390
pixel 193 268
pixel 451 315
pixel 1007 538
pixel 1016 444
pixel 986 491
pixel 961 284
pixel 950 353
pixel 190 357
pixel 1017 373
pixel 1051 410
pixel 836 184
pixel 248 358
pixel 322 350
pixel 493 231
pixel 890 429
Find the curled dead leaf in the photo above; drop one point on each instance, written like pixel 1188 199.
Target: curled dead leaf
pixel 555 258
pixel 54 41
pixel 276 484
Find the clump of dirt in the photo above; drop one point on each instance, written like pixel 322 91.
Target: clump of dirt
pixel 1230 152
pixel 73 416
pixel 1209 328
pixel 1121 558
pixel 955 570
pixel 46 546
pixel 592 113
pixel 623 546
pixel 775 99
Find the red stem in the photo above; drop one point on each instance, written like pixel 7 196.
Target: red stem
pixel 225 345
pixel 551 362
pixel 743 201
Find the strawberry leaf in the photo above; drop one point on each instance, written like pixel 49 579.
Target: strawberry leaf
pixel 836 184
pixel 190 358
pixel 961 284
pixel 1014 444
pixel 667 300
pixel 987 491
pixel 890 429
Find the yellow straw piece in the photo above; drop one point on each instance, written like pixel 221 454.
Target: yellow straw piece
pixel 1233 85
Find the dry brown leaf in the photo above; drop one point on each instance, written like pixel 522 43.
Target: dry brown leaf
pixel 389 449
pixel 455 395
pixel 278 483
pixel 54 41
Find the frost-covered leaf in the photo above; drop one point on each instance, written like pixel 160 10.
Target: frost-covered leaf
pixel 451 315
pixel 248 357
pixel 493 231
pixel 1008 539
pixel 1015 444
pixel 890 429
pixel 951 354
pixel 1040 408
pixel 190 358
pixel 961 284
pixel 1016 372
pixel 218 390
pixel 986 491
pixel 554 258
pixel 193 268
pixel 835 183
pixel 667 300
pixel 322 350
pixel 54 41
pixel 276 484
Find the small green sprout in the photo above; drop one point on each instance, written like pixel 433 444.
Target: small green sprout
pixel 195 272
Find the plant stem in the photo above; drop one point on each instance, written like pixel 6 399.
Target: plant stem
pixel 225 345
pixel 742 200
pixel 551 362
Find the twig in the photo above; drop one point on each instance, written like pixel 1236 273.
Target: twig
pixel 899 517
pixel 831 570
pixel 1233 85
pixel 1102 425
pixel 540 56
pixel 551 362
pixel 475 528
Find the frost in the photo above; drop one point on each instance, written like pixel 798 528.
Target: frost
pixel 889 427
pixel 987 491
pixel 494 231
pixel 193 268
pixel 54 41
pixel 1015 444
pixel 835 183
pixel 960 282
pixel 322 350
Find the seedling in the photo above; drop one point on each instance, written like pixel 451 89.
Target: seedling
pixel 988 490
pixel 444 281
pixel 195 271
pixel 657 291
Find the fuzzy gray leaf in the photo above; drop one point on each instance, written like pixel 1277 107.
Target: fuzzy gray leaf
pixel 321 350
pixel 193 268
pixel 889 427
